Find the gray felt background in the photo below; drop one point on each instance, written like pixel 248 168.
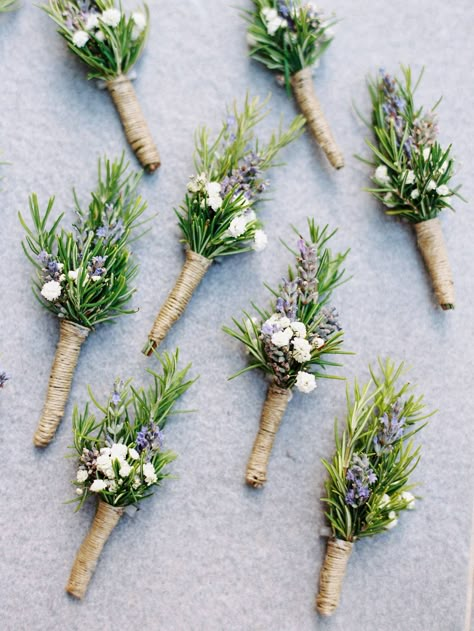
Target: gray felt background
pixel 207 553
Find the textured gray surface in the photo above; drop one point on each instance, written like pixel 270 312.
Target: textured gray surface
pixel 206 553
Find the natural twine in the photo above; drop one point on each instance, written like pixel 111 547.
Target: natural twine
pixel 71 338
pixel 105 520
pixel 272 414
pixel 305 95
pixel 133 121
pixel 332 574
pixel 433 248
pixel 194 269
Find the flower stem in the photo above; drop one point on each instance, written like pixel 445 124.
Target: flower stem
pixel 433 249
pixel 305 95
pixel 194 269
pixel 71 338
pixel 105 520
pixel 273 410
pixel 134 123
pixel 332 575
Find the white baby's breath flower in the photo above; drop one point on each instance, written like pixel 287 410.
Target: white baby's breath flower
pixel 213 189
pixel 140 20
pixel 99 36
pixel 133 453
pixel 51 290
pixel 409 498
pixel 111 17
pixel 73 274
pixel 82 475
pixel 98 485
pixel 79 491
pixel 426 153
pixel 381 175
pixel 273 20
pixel 282 338
pixel 80 39
pixel 260 240
pixel 112 486
pixel 415 193
pixel 136 482
pixel 104 465
pixel 124 470
pixel 431 185
pixel 318 342
pixel 105 451
pixel 305 382
pixel 92 21
pixel 443 190
pixel 389 200
pixel 149 473
pixel 393 520
pixel 299 328
pixel 237 226
pixel 409 177
pixel 118 451
pixel 301 349
pixel 197 183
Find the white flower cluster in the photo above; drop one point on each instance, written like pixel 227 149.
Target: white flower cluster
pixel 212 190
pixel 109 17
pixel 381 176
pixel 52 289
pixel 407 497
pixel 120 457
pixel 272 20
pixel 294 336
pixel 239 224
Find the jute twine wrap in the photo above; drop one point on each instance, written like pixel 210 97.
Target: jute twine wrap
pixel 332 574
pixel 71 338
pixel 105 520
pixel 433 248
pixel 272 414
pixel 303 89
pixel 133 121
pixel 194 269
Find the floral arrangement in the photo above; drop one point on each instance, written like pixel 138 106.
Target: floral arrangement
pixel 8 5
pixel 292 342
pixel 412 171
pixel 110 42
pixel 290 37
pixel 83 276
pixel 218 216
pixel 368 486
pixel 121 455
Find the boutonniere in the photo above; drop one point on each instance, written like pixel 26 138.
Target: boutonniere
pixel 121 456
pixel 110 42
pixel 218 217
pixel 293 342
pixel 290 37
pixel 413 173
pixel 84 275
pixel 369 476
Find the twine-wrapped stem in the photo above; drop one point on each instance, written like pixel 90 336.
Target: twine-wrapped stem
pixel 274 408
pixel 433 249
pixel 71 338
pixel 134 123
pixel 305 95
pixel 194 269
pixel 332 575
pixel 105 520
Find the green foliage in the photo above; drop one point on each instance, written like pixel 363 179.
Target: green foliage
pixel 8 5
pixel 119 448
pixel 90 265
pixel 109 50
pixel 302 38
pixel 301 298
pixel 234 163
pixel 392 465
pixel 413 171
